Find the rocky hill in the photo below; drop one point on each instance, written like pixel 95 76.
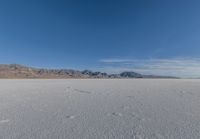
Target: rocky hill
pixel 15 71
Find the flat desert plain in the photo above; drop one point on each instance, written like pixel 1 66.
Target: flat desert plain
pixel 100 109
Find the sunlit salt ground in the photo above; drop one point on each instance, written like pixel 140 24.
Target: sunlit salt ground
pixel 100 109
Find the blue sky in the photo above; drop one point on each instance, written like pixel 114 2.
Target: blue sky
pixel 147 36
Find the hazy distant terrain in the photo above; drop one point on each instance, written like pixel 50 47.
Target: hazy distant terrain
pixel 14 71
pixel 100 109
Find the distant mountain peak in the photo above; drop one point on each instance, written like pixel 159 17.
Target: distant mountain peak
pixel 130 74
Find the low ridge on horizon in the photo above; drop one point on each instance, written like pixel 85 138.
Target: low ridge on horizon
pixel 15 71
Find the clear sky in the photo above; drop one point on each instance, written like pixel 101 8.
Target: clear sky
pixel 147 36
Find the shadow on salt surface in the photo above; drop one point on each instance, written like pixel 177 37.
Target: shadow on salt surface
pixel 77 90
pixel 83 91
pixel 116 114
pixel 70 116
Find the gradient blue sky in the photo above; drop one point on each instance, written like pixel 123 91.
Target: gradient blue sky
pixel 147 36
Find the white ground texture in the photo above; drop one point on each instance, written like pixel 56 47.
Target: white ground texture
pixel 100 109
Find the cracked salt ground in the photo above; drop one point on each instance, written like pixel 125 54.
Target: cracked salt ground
pixel 100 109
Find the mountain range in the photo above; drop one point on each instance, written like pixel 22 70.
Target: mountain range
pixel 16 71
